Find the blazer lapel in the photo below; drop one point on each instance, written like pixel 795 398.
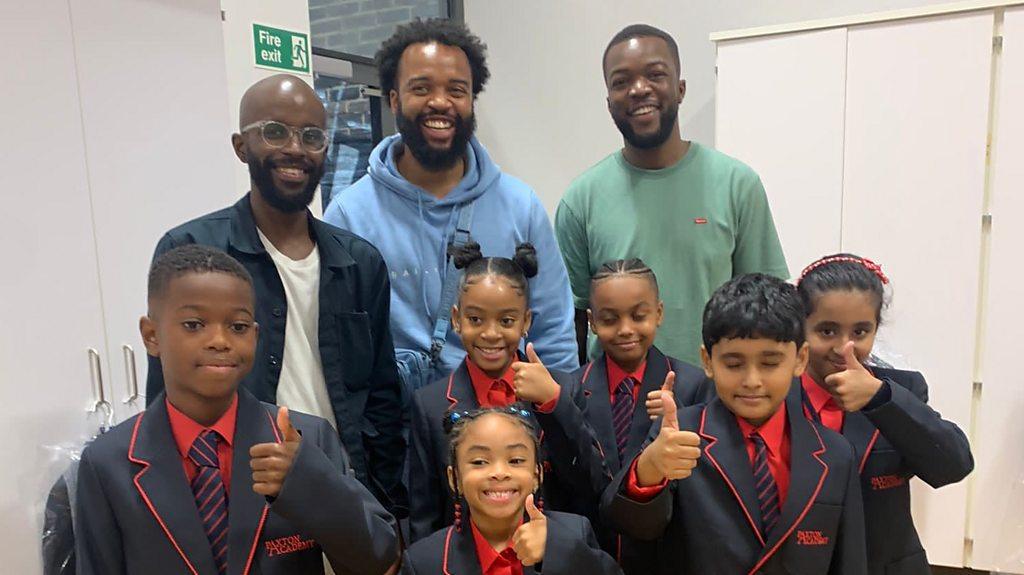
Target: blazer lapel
pixel 807 470
pixel 862 434
pixel 599 406
pixel 164 488
pixel 459 555
pixel 727 453
pixel 247 510
pixel 459 391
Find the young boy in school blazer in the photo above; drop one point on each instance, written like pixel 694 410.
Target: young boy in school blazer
pixel 746 483
pixel 209 480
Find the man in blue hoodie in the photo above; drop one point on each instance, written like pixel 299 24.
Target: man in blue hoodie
pixel 422 181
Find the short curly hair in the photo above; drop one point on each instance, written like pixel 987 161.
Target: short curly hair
pixel 438 30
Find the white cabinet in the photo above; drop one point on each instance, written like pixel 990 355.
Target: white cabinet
pixel 115 128
pixel 155 114
pixel 904 102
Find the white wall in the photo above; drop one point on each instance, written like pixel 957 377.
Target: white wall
pixel 543 115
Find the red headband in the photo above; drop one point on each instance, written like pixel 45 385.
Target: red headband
pixel 870 265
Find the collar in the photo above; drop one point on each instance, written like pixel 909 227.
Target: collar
pixel 482 382
pixel 244 238
pixel 772 431
pixel 185 430
pixel 616 374
pixel 486 554
pixel 815 393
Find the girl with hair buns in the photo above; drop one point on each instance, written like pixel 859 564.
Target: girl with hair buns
pixel 491 317
pixel 501 526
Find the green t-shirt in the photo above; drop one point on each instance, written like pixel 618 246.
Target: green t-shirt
pixel 696 224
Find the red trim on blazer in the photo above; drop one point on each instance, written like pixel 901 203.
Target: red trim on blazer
pixel 810 501
pixel 448 392
pixel 867 451
pixel 586 373
pixel 707 451
pixel 447 543
pixel 266 508
pixel 142 492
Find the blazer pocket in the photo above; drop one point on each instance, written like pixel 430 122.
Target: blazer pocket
pixel 355 340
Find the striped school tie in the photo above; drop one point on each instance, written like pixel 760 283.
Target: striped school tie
pixel 622 414
pixel 211 497
pixel 764 484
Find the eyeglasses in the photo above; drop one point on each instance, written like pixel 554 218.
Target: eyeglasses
pixel 278 135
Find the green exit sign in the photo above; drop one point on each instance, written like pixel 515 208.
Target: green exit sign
pixel 280 49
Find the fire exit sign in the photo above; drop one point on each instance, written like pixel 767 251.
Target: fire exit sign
pixel 280 49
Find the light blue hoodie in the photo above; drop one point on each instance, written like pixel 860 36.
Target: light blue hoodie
pixel 412 229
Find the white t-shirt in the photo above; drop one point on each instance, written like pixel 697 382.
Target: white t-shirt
pixel 301 386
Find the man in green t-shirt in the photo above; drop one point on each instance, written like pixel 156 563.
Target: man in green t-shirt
pixel 696 216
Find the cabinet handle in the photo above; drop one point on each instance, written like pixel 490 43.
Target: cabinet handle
pixel 130 374
pixel 100 402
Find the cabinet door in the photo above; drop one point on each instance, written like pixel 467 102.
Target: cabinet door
pixel 49 289
pixel 917 103
pixel 155 111
pixel 780 109
pixel 997 510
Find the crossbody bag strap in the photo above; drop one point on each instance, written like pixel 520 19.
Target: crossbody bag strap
pixel 451 280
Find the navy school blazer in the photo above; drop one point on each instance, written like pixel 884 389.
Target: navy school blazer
pixel 709 522
pixel 356 351
pixel 135 512
pixel 893 442
pixel 573 462
pixel 571 549
pixel 691 387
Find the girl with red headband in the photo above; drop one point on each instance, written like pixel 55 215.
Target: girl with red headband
pixel 882 412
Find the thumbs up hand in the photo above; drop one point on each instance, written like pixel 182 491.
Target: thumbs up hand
pixel 270 462
pixel 854 387
pixel 673 454
pixel 532 381
pixel 531 537
pixel 655 408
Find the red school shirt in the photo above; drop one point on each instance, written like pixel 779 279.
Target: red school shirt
pixel 616 374
pixel 830 414
pixel 492 562
pixel 491 392
pixel 185 431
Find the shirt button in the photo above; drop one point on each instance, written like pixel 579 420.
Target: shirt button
pixel 277 312
pixel 273 360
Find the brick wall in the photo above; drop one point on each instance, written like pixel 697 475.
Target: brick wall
pixel 359 26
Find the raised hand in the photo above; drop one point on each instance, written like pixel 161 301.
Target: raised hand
pixel 673 454
pixel 532 381
pixel 271 462
pixel 531 537
pixel 655 408
pixel 853 387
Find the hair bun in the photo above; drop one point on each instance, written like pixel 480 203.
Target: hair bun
pixel 464 255
pixel 526 259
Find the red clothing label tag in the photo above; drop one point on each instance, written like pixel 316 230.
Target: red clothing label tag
pixel 700 220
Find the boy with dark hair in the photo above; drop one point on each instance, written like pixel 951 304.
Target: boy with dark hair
pixel 746 483
pixel 209 479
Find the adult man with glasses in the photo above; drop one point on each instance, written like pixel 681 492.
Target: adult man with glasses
pixel 322 293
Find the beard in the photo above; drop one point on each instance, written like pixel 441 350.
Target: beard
pixel 260 172
pixel 669 115
pixel 431 158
